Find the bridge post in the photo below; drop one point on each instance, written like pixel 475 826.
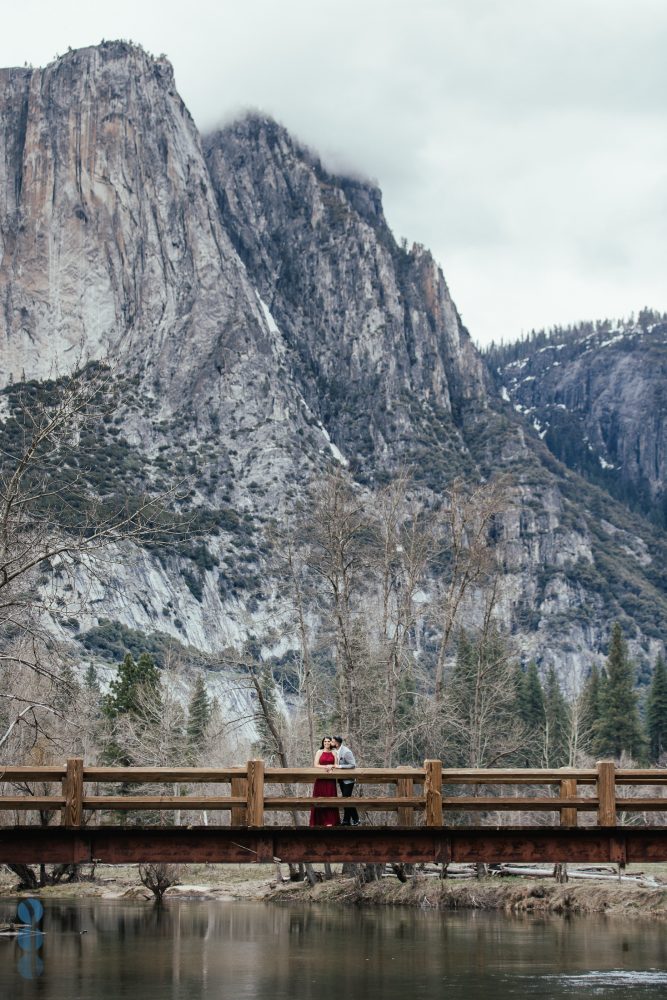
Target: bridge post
pixel 406 814
pixel 239 813
pixel 606 793
pixel 255 807
pixel 433 792
pixel 63 792
pixel 73 790
pixel 568 790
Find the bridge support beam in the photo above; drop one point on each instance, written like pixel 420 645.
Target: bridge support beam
pixel 233 845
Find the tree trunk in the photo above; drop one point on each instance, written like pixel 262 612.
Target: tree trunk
pixel 371 873
pixel 560 872
pixel 310 874
pixel 279 872
pixel 26 875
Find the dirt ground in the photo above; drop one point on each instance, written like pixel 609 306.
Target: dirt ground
pixel 118 881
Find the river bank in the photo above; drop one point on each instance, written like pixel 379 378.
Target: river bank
pixel 207 881
pixel 510 895
pixel 513 894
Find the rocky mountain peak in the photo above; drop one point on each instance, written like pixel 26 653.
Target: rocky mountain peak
pixel 109 236
pixel 368 322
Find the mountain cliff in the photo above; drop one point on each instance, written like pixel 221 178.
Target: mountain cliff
pixel 264 326
pixel 597 395
pixel 110 234
pixel 376 342
pixel 111 246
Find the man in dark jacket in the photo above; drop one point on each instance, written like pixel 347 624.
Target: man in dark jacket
pixel 345 760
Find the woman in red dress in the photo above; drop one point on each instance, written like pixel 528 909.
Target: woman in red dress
pixel 326 758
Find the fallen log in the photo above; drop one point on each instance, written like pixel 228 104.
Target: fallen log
pixel 594 874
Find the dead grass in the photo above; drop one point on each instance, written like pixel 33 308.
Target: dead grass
pixel 508 895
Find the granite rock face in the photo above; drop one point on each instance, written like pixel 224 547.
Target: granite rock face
pixel 266 326
pixel 375 340
pixel 598 398
pixel 111 246
pixel 110 241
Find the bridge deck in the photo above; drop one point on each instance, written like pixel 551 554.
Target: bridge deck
pixel 233 845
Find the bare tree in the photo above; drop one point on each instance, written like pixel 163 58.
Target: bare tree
pixel 271 722
pixel 393 572
pixel 478 723
pixel 338 534
pixel 44 717
pixel 158 877
pixel 155 734
pixel 578 724
pixel 405 541
pixel 468 558
pixel 307 673
pixel 45 710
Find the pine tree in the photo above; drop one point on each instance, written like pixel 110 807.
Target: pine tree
pixel 556 723
pixel 529 709
pixel 92 704
pixel 534 710
pixel 656 711
pixel 199 716
pixel 67 689
pixel 520 693
pixel 123 691
pixel 592 698
pixel 90 679
pixel 619 729
pixel 591 709
pixel 123 699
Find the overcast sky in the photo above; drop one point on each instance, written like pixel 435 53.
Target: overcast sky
pixel 523 141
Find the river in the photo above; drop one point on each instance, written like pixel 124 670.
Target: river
pixel 187 950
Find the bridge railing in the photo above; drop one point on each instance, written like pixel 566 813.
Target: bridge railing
pixel 424 795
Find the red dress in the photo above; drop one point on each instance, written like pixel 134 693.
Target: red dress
pixel 322 787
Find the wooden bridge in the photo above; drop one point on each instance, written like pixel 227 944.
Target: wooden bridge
pixel 409 814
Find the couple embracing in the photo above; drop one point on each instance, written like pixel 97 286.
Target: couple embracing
pixel 333 754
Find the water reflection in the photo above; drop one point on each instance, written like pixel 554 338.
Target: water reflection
pixel 112 949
